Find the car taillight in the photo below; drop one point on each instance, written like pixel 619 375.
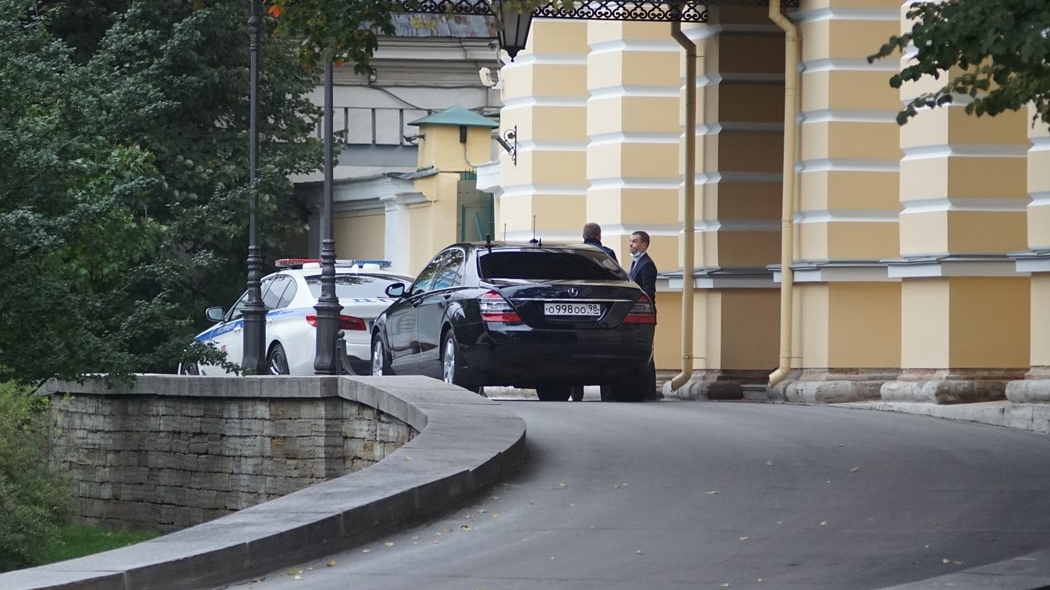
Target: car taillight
pixel 643 312
pixel 494 308
pixel 346 322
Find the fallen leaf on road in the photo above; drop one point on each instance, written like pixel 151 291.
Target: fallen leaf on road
pixel 465 527
pixel 389 543
pixel 855 469
pixel 744 538
pixel 331 563
pixel 712 493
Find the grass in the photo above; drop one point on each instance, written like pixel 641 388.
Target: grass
pixel 79 540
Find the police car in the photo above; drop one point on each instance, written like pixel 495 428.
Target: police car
pixel 290 295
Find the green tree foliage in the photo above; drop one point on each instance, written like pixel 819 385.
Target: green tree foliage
pixel 347 31
pixel 994 52
pixel 34 499
pixel 123 171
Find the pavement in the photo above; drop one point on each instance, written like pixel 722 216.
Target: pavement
pixel 421 480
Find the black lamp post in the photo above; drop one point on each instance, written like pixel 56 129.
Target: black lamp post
pixel 514 23
pixel 254 359
pixel 328 306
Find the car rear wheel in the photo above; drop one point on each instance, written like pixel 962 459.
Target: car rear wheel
pixel 380 359
pixel 451 368
pixel 554 393
pixel 277 360
pixel 630 389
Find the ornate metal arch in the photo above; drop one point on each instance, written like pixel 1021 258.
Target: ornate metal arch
pixel 687 11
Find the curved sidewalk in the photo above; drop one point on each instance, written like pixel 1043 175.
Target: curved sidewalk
pixel 465 443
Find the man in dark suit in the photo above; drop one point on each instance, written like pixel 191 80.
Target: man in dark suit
pixel 592 234
pixel 643 269
pixel 643 272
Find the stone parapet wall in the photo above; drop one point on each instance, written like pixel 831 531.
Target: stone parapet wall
pixel 140 460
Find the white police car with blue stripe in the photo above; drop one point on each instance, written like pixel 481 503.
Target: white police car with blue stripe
pixel 290 295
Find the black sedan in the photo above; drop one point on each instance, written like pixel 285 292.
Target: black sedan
pixel 549 317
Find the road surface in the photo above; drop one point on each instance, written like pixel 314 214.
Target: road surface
pixel 673 495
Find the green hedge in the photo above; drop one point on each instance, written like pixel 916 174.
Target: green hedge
pixel 35 501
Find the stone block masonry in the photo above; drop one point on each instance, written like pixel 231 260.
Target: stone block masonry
pixel 140 460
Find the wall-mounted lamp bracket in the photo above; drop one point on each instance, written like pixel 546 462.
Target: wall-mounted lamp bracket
pixel 509 142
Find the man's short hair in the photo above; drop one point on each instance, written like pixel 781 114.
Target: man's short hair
pixel 643 235
pixel 592 230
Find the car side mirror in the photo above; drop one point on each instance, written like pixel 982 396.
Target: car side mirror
pixel 395 290
pixel 214 314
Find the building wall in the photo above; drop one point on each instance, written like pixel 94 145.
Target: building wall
pixel 920 255
pixel 914 247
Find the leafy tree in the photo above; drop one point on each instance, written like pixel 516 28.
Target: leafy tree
pixel 345 31
pixel 34 500
pixel 123 206
pixel 996 52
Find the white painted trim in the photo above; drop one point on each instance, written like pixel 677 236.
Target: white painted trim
pixel 620 91
pixel 850 216
pixel 844 64
pixel 987 205
pixel 958 266
pixel 737 225
pixel 619 182
pixel 970 150
pixel 844 165
pixel 848 116
pixel 847 14
pixel 634 138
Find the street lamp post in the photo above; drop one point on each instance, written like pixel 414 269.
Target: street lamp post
pixel 328 306
pixel 254 308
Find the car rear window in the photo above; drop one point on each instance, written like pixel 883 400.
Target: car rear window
pixel 550 265
pixel 353 286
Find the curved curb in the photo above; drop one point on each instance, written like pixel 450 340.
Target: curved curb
pixel 465 443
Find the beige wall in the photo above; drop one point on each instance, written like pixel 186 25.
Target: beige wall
pixel 360 236
pixel 906 238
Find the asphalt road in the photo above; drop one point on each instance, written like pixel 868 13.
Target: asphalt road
pixel 672 495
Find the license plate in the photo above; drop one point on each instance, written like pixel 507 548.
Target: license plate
pixel 572 309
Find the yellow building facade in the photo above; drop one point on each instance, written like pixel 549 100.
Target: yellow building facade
pixel 918 256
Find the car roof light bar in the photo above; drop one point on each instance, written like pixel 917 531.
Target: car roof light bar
pixel 343 262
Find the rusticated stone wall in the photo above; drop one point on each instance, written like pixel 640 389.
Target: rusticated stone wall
pixel 167 462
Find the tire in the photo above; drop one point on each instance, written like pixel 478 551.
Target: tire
pixel 554 393
pixel 380 358
pixel 631 389
pixel 451 367
pixel 277 360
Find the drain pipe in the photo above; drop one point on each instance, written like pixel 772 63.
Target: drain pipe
pixel 787 234
pixel 688 206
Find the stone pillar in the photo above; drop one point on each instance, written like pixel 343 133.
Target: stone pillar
pixel 965 311
pixel 848 314
pixel 545 95
pixel 633 130
pixel 740 98
pixel 1036 260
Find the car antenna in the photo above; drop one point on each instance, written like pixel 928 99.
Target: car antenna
pixel 488 242
pixel 534 240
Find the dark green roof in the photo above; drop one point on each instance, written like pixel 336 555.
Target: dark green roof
pixel 457 116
